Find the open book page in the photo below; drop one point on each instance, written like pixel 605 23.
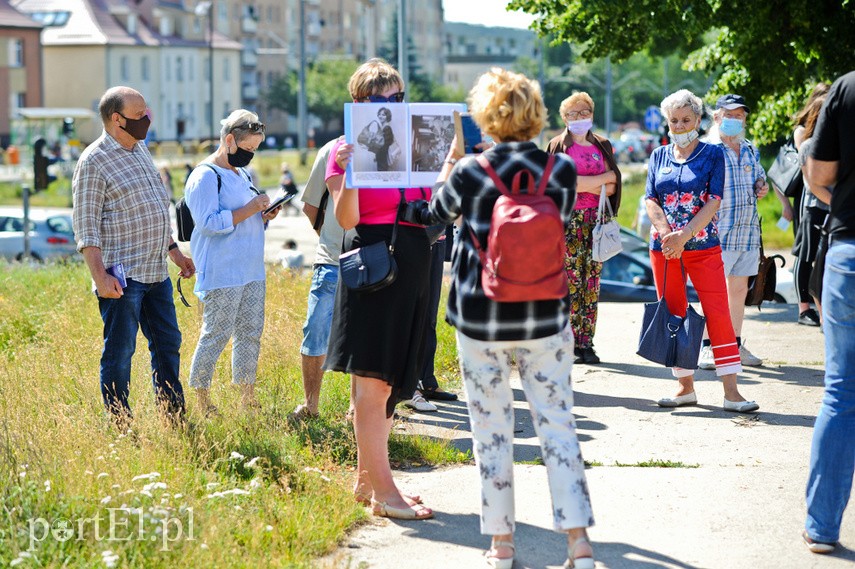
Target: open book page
pixel 398 145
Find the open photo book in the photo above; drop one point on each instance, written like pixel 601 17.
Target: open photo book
pixel 398 145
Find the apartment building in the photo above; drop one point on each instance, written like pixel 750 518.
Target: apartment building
pixel 160 48
pixel 471 50
pixel 20 65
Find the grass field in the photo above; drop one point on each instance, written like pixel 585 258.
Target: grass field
pixel 236 491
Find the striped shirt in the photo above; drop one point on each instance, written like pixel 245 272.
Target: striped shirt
pixel 738 220
pixel 122 207
pixel 470 193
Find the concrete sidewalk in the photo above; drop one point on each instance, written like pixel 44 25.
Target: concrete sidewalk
pixel 742 506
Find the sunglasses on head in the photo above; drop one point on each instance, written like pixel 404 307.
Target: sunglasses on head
pixel 181 294
pixel 394 98
pixel 251 126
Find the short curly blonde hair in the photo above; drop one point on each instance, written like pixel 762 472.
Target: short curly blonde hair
pixel 373 77
pixel 507 105
pixel 577 97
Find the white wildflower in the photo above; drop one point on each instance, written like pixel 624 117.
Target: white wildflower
pixel 102 475
pixel 100 457
pixel 252 463
pixel 154 486
pixel 89 472
pixel 164 500
pixel 312 469
pixel 236 456
pixel 255 483
pixel 268 528
pixel 211 485
pixel 112 445
pixel 204 546
pixel 178 496
pixel 146 493
pixel 106 500
pixel 238 509
pixel 149 476
pixel 22 474
pixel 15 562
pixel 115 487
pixel 25 554
pixel 232 492
pixel 47 485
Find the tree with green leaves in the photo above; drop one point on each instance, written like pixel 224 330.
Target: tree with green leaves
pixel 771 52
pixel 326 89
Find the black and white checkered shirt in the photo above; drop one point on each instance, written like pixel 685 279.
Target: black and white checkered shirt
pixel 469 192
pixel 122 207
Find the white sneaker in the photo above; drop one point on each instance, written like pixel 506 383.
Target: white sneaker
pixel 419 403
pixel 706 360
pixel 747 358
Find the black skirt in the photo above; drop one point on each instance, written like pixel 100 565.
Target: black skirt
pixel 380 334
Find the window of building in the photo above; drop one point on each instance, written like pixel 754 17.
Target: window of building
pixel 168 68
pixel 124 68
pixel 144 68
pixel 206 61
pixel 18 101
pixel 227 70
pixel 179 69
pixel 191 69
pixel 16 52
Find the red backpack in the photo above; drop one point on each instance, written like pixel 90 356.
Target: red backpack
pixel 524 259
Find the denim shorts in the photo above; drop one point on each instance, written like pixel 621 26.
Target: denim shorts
pixel 741 263
pixel 316 330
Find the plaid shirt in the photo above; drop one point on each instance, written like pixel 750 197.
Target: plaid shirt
pixel 738 221
pixel 122 207
pixel 469 192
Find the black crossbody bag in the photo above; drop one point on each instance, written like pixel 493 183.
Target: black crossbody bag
pixel 371 267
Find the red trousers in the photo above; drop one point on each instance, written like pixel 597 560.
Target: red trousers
pixel 706 270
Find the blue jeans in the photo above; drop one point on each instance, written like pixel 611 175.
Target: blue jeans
pixel 832 457
pixel 149 307
pixel 316 329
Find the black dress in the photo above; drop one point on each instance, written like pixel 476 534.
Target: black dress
pixel 380 334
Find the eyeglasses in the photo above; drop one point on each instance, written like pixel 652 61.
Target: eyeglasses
pixel 181 294
pixel 251 126
pixel 394 98
pixel 583 114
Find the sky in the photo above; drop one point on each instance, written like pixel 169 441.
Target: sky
pixel 486 12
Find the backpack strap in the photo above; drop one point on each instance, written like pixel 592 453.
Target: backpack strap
pixel 544 177
pixel 219 180
pixel 485 164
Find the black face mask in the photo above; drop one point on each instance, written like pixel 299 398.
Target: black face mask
pixel 137 128
pixel 240 158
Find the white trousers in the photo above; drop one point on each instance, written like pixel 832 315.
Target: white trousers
pixel 233 312
pixel 545 365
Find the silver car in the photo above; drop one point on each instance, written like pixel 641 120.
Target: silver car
pixel 51 235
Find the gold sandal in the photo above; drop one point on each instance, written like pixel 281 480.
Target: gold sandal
pixel 384 510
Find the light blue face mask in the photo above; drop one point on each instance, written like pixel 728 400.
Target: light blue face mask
pixel 731 127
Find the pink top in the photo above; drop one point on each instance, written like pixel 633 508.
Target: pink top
pixel 589 162
pixel 377 206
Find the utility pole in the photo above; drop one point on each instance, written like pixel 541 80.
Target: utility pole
pixel 403 61
pixel 608 96
pixel 301 97
pixel 211 70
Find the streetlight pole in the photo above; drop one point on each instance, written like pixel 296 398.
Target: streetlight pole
pixel 211 68
pixel 301 97
pixel 402 41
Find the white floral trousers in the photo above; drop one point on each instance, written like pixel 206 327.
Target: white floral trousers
pixel 545 365
pixel 230 312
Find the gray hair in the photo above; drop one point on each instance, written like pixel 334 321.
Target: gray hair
pixel 234 123
pixel 680 99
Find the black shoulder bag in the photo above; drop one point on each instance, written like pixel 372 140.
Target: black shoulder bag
pixel 372 267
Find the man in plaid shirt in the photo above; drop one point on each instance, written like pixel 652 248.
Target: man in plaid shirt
pixel 738 221
pixel 122 228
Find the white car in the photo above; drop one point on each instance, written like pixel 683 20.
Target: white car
pixel 51 235
pixel 785 286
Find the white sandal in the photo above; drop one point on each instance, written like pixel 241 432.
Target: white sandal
pixel 582 562
pixel 500 562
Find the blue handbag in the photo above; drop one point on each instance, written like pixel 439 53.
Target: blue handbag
pixel 667 339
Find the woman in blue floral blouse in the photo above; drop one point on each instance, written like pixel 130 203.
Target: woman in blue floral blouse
pixel 685 180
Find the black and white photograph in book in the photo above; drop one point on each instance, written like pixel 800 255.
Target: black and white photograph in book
pixel 381 131
pixel 432 136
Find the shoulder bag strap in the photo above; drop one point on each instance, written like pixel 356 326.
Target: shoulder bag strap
pixel 401 204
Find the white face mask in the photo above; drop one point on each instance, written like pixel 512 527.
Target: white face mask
pixel 683 139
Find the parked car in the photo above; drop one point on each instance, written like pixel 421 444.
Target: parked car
pixel 51 235
pixel 628 276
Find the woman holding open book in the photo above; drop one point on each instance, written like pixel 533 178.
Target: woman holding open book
pixel 377 337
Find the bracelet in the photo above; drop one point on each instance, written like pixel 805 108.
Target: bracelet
pixel 172 246
pixel 451 161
